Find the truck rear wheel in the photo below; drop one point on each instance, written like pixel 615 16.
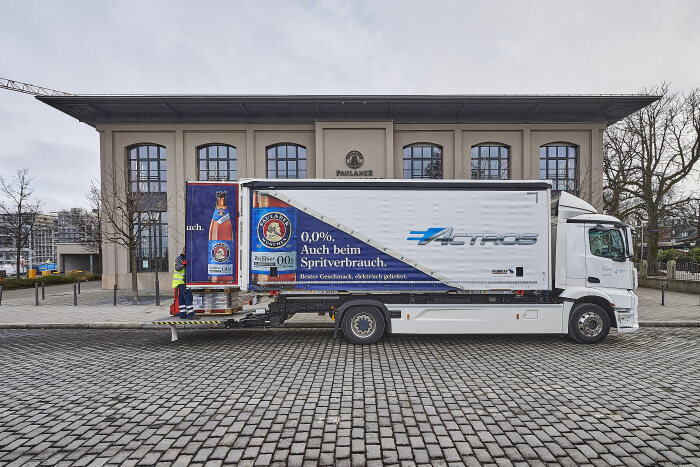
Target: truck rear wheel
pixel 363 325
pixel 589 323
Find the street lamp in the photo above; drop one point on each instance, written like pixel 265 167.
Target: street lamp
pixel 155 255
pixel 641 240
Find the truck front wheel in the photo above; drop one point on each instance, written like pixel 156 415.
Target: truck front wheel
pixel 589 323
pixel 363 325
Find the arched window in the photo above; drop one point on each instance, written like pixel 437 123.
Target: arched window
pixel 147 178
pixel 286 160
pixel 559 163
pixel 422 160
pixel 217 162
pixel 490 161
pixel 147 168
pixel 152 246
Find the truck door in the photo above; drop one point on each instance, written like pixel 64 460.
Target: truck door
pixel 607 264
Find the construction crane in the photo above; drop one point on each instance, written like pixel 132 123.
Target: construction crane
pixel 32 89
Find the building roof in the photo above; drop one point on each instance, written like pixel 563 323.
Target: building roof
pixel 137 109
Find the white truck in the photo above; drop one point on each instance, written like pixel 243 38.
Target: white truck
pixel 414 256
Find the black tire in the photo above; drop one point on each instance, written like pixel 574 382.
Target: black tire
pixel 363 325
pixel 589 323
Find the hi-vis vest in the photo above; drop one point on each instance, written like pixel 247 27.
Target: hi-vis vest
pixel 178 272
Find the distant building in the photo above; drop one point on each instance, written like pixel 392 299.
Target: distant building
pixel 43 239
pixel 61 237
pixel 75 249
pixel 678 233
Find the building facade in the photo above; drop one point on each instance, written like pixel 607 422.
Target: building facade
pixel 153 144
pixel 43 239
pixel 76 240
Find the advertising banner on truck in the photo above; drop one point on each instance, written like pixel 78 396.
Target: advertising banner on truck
pixel 393 239
pixel 211 236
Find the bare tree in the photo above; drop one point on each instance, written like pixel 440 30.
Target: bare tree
pixel 126 215
pixel 18 211
pixel 617 165
pixel 648 155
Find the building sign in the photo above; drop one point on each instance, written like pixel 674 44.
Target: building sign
pixel 354 160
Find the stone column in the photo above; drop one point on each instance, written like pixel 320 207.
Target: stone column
pixel 670 270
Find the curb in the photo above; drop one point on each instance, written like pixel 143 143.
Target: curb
pixel 71 325
pixel 649 324
pixel 134 326
pixel 670 324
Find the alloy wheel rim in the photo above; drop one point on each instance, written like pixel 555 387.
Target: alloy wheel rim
pixel 590 324
pixel 363 325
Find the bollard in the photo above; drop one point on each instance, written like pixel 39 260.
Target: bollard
pixel 43 292
pixel 663 291
pixel 36 294
pixel 157 294
pixel 0 294
pixel 75 295
pixel 115 294
pixel 78 284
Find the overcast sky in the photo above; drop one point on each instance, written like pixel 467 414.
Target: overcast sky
pixel 316 47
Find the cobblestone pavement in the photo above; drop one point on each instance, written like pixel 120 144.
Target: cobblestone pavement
pixel 94 306
pixel 299 397
pixel 678 306
pixel 91 294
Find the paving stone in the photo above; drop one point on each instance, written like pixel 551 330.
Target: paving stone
pixel 136 406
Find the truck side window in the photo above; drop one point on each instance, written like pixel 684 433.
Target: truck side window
pixel 606 243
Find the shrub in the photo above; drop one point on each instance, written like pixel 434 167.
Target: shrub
pixel 695 254
pixel 668 255
pixel 684 257
pixel 11 283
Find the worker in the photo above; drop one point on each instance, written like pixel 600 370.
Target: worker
pixel 184 296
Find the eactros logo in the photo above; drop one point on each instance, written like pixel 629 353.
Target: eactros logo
pixel 446 236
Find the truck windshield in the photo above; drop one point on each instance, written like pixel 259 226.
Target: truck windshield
pixel 606 243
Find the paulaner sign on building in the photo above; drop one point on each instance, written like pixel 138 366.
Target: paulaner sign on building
pixel 354 160
pixel 156 143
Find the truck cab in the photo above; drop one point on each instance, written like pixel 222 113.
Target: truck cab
pixel 592 255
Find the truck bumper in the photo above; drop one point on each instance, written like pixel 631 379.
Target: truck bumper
pixel 627 317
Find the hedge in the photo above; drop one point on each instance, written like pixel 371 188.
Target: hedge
pixel 11 283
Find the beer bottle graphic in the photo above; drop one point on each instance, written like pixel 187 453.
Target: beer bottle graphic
pixel 273 241
pixel 221 253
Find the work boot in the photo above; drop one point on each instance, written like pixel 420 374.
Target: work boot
pixel 191 315
pixel 182 315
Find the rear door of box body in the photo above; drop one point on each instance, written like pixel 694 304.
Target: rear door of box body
pixel 211 234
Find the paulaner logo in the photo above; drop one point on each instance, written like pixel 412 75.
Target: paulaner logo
pixel 446 236
pixel 274 230
pixel 220 252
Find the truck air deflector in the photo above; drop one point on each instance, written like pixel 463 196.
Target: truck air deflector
pixel 360 184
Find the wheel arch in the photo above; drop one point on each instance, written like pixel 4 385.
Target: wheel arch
pixel 588 295
pixel 340 311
